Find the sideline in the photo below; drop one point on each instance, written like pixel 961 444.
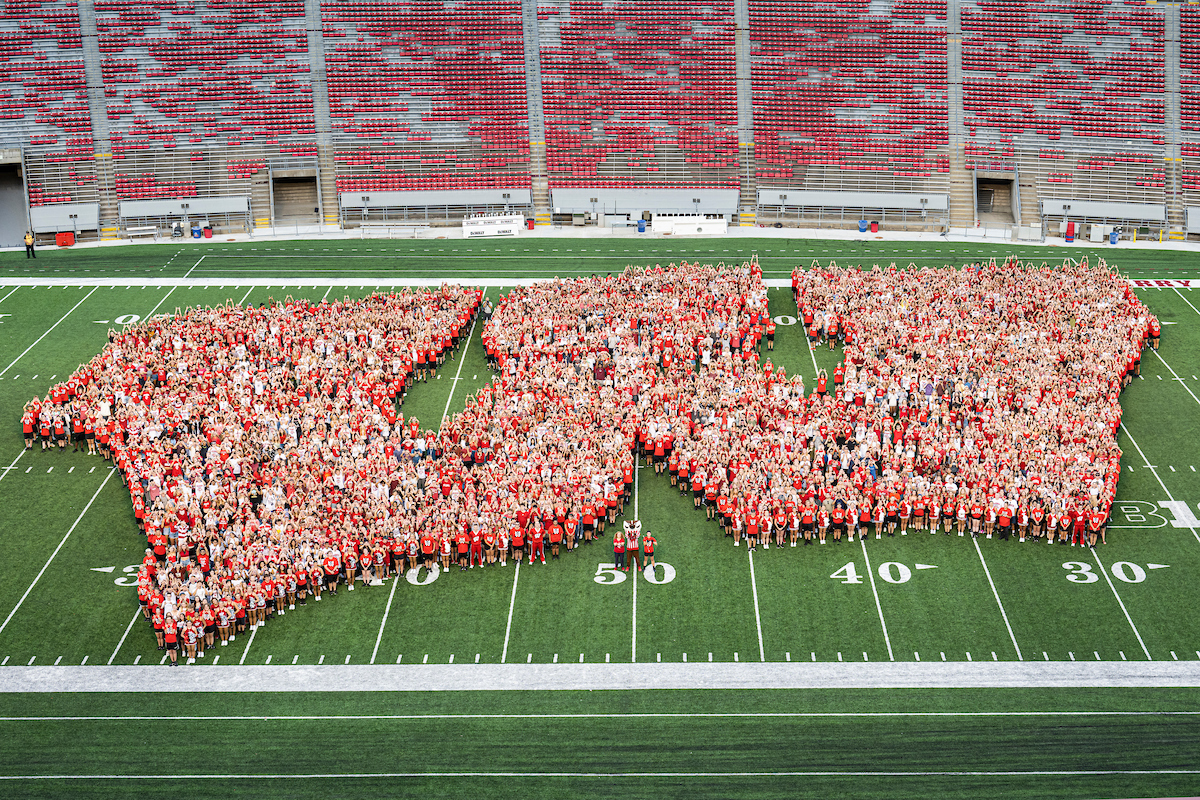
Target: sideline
pixel 570 676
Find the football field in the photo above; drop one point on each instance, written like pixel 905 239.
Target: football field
pixel 69 549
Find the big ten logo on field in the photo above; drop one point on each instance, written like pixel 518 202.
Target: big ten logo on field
pixel 1146 514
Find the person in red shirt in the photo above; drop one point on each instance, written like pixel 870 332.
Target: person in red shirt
pixel 537 544
pixel 648 545
pixel 1097 522
pixel 332 566
pixel 171 639
pixel 556 537
pixel 462 544
pixel 619 551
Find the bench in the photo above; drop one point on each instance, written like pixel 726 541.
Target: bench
pixel 145 230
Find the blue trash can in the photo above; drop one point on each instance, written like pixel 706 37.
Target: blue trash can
pixel 196 232
pixel 641 226
pixel 862 226
pixel 1112 237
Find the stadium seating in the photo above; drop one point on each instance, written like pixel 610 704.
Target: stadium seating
pixel 1090 70
pixel 849 93
pixel 43 96
pixel 639 94
pixel 427 96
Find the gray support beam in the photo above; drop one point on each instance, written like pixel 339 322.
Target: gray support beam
pixel 93 76
pixel 962 180
pixel 744 76
pixel 535 111
pixel 1173 128
pixel 327 198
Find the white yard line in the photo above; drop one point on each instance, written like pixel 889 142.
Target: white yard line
pixel 511 605
pixel 1125 611
pixel 757 618
pixel 996 594
pixel 870 574
pixel 193 269
pixel 462 359
pixel 2 299
pixel 1154 472
pixel 137 613
pixel 636 492
pixel 11 466
pixel 46 566
pixel 251 289
pixel 811 352
pixel 160 302
pixel 52 327
pixel 387 610
pixel 1176 376
pixel 1184 299
pixel 253 631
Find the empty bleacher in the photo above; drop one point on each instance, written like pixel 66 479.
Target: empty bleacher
pixel 427 95
pixel 639 94
pixel 850 94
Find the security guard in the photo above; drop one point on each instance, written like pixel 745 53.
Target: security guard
pixel 29 245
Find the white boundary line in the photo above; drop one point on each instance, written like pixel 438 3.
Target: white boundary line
pixel 604 676
pixel 387 610
pixel 757 619
pixel 996 594
pixel 137 613
pixel 598 715
pixel 609 775
pixel 870 574
pixel 1128 618
pixel 512 602
pixel 52 327
pixel 1154 472
pixel 112 471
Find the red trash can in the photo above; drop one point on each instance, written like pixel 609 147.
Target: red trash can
pixel 529 224
pixel 874 227
pixel 208 233
pixel 64 239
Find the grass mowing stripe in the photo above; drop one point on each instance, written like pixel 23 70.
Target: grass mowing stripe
pixel 1154 472
pixel 757 617
pixel 870 574
pixel 615 715
pixel 996 594
pixel 1120 603
pixel 47 333
pixel 610 775
pixel 112 471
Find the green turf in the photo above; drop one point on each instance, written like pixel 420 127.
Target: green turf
pixel 560 612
